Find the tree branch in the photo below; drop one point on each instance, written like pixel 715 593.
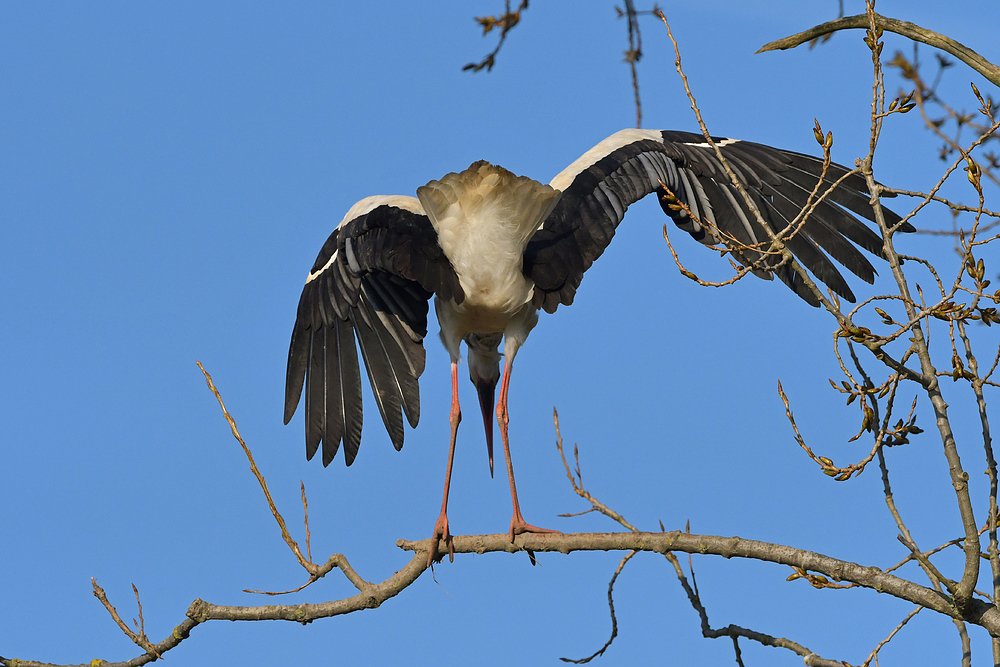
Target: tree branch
pixel 989 71
pixel 979 612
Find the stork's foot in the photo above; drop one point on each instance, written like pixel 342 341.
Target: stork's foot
pixel 518 525
pixel 441 533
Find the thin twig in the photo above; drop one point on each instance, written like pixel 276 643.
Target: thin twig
pixel 634 54
pixel 305 514
pixel 874 654
pixel 285 535
pixel 505 21
pixel 611 606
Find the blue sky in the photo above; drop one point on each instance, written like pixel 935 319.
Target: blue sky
pixel 170 171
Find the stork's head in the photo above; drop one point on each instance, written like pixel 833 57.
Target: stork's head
pixel 484 371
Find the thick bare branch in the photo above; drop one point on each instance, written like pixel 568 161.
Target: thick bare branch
pixel 978 612
pixel 990 71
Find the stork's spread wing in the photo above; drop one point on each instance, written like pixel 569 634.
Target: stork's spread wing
pixel 372 280
pixel 628 165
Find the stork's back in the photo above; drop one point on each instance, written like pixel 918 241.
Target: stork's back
pixel 484 217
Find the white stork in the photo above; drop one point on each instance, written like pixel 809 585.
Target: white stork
pixel 494 248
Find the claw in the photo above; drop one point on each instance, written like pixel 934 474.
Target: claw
pixel 441 532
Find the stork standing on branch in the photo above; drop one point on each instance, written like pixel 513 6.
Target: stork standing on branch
pixel 494 248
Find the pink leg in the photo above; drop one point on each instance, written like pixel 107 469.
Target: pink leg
pixel 517 523
pixel 441 526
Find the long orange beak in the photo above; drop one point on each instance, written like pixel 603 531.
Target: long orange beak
pixel 486 390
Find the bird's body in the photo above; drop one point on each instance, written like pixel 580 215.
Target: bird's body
pixel 484 218
pixel 494 248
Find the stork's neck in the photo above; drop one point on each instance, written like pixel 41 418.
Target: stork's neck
pixel 484 217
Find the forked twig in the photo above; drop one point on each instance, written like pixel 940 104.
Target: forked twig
pixel 732 631
pixel 140 639
pixel 505 22
pixel 315 571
